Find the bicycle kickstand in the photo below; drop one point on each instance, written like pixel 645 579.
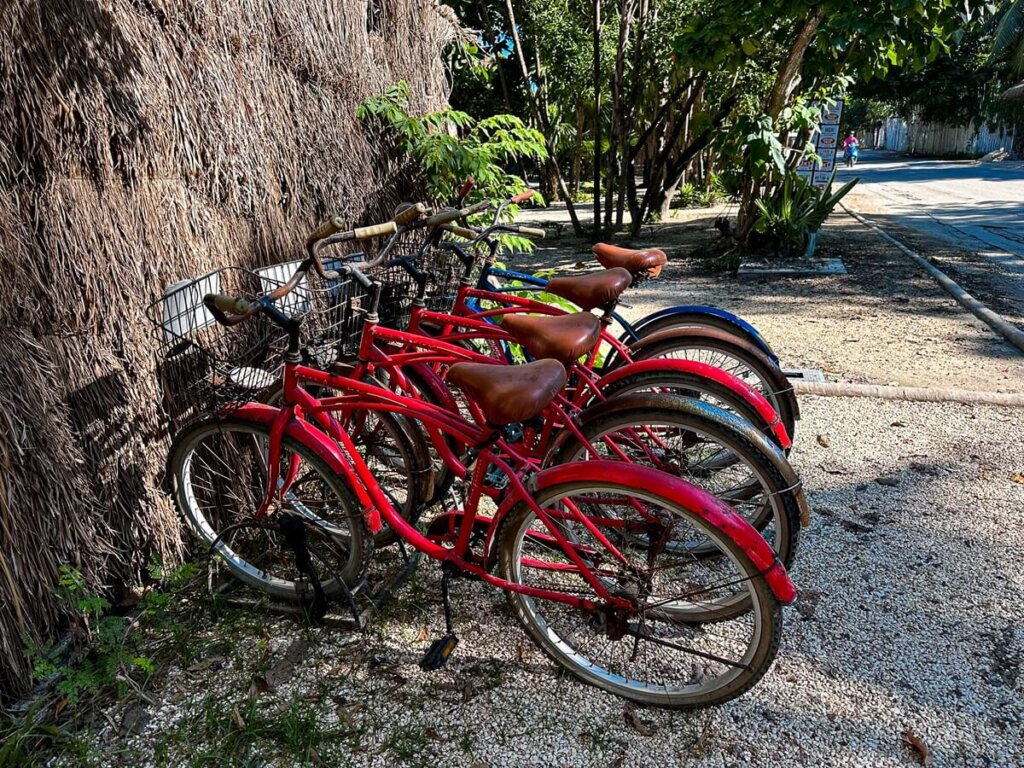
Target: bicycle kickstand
pixel 441 649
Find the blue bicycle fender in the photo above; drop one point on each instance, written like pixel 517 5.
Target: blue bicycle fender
pixel 739 322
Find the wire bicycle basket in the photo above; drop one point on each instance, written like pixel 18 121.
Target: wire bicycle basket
pixel 205 368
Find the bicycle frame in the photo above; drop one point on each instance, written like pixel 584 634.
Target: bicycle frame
pixel 330 441
pixel 377 508
pixel 482 325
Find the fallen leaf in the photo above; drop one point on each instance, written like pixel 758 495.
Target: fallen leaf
pixel 259 685
pixel 850 525
pixel 920 748
pixel 1018 477
pixel 638 725
pixel 314 757
pixel 430 733
pixel 834 470
pixel 60 706
pixel 897 424
pixel 237 717
pixel 423 635
pixel 346 714
pixel 823 441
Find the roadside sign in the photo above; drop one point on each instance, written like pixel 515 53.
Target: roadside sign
pixel 825 141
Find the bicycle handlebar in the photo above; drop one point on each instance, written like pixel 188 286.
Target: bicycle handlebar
pixel 466 188
pixel 220 306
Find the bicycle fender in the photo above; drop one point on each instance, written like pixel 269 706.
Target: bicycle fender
pixel 325 448
pixel 713 511
pixel 735 384
pixel 747 329
pixel 698 407
pixel 779 382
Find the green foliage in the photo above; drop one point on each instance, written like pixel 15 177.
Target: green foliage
pixel 1008 38
pixel 450 146
pixel 795 211
pixel 107 655
pixel 694 196
pixel 19 741
pixel 110 653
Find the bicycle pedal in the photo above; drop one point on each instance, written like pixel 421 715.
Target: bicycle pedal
pixel 438 653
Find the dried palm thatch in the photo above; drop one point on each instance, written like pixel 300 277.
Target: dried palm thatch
pixel 141 143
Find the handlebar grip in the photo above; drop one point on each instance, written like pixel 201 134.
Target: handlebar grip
pixel 467 187
pixel 409 213
pixel 455 229
pixel 533 232
pixel 376 230
pixel 226 303
pixel 522 197
pixel 332 226
pixel 444 217
pixel 483 205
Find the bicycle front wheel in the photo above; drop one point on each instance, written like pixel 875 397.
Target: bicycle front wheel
pixel 671 649
pixel 314 531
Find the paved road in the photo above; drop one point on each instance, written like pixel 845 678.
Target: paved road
pixel 979 206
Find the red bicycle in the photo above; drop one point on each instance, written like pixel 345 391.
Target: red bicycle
pixel 631 579
pixel 694 440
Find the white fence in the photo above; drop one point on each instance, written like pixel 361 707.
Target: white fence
pixel 917 138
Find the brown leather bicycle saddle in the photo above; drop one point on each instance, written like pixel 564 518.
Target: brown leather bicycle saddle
pixel 510 393
pixel 598 289
pixel 558 337
pixel 648 260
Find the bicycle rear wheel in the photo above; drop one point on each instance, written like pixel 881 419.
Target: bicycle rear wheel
pixel 394 449
pixel 219 471
pixel 671 649
pixel 733 356
pixel 702 445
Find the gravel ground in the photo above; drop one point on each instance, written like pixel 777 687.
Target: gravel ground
pixel 909 619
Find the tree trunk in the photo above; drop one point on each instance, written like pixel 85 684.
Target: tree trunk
pixel 782 89
pixel 673 171
pixel 618 163
pixel 542 121
pixel 577 152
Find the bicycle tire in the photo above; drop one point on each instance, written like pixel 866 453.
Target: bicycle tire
pixel 748 363
pixel 346 525
pixel 707 423
pixel 691 320
pixel 544 624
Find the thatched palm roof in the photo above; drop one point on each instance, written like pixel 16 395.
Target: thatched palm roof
pixel 1016 92
pixel 142 143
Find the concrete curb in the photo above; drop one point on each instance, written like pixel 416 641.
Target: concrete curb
pixel 994 321
pixel 919 394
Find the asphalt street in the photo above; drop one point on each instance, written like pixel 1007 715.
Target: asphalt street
pixel 972 205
